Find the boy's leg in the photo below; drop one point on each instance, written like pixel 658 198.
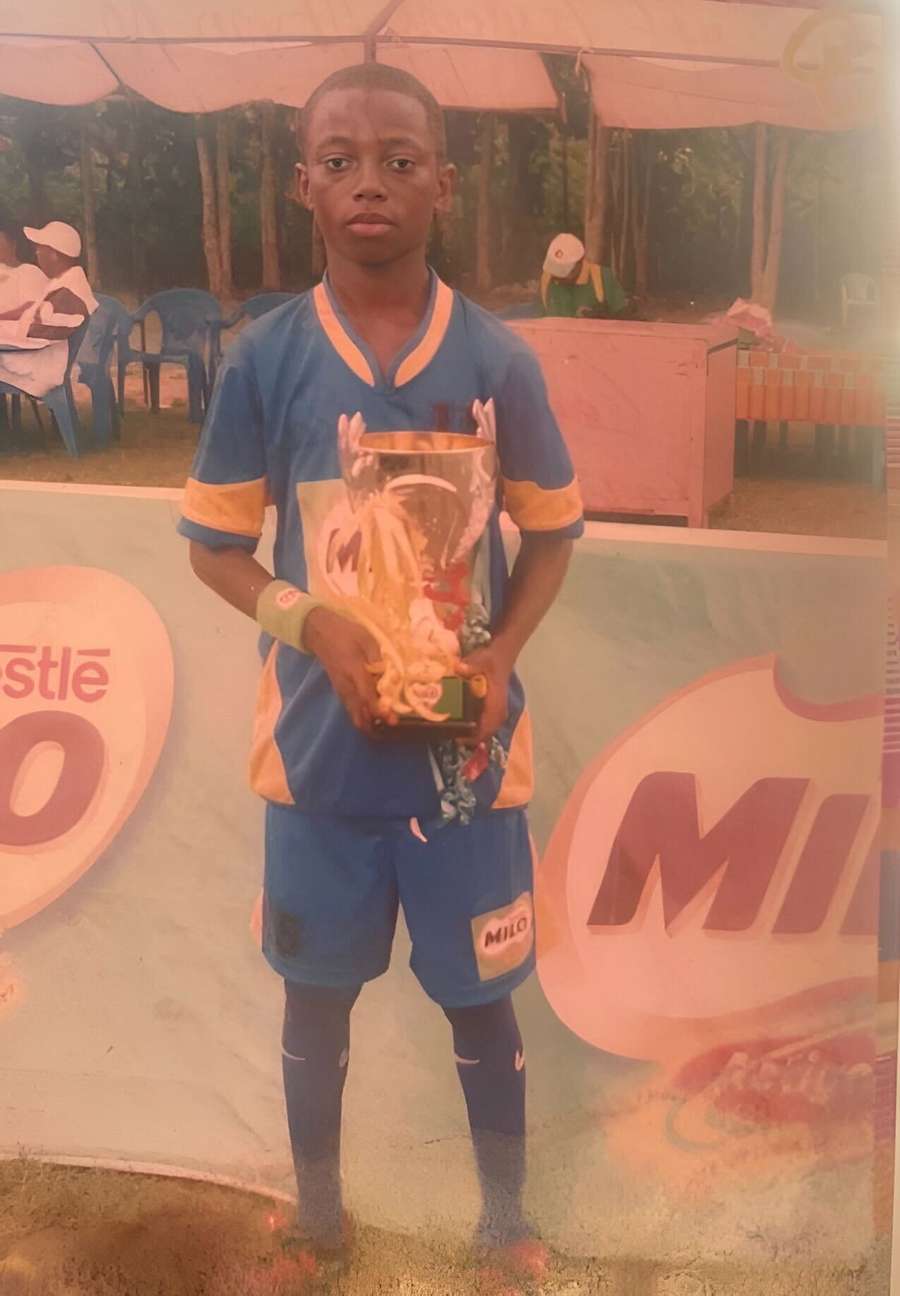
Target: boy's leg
pixel 467 897
pixel 315 1056
pixel 491 1067
pixel 329 911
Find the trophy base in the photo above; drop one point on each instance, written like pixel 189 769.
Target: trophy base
pixel 457 701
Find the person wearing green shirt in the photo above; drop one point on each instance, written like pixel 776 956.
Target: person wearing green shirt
pixel 574 287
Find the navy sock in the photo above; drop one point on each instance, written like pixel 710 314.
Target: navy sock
pixel 491 1067
pixel 315 1052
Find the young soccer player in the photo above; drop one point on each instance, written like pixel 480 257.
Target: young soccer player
pixel 356 825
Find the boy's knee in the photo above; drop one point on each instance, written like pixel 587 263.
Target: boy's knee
pixel 487 1034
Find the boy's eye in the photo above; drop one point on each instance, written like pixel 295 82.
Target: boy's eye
pixel 336 163
pixel 401 164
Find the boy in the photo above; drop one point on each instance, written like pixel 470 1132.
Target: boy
pixel 353 822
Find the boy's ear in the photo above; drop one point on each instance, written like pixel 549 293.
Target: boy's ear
pixel 302 185
pixel 446 186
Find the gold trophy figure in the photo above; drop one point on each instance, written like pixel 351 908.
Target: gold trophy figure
pixel 421 502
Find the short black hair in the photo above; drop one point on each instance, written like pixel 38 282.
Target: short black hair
pixel 377 76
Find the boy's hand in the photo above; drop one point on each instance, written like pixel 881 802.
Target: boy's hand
pixel 346 650
pixel 495 665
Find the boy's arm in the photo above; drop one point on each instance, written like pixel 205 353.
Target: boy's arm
pixel 536 580
pixel 343 647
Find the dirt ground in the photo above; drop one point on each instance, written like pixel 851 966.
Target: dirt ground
pixel 157 450
pixel 77 1232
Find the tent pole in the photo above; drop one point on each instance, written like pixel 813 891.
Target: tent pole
pixel 886 1185
pixel 760 189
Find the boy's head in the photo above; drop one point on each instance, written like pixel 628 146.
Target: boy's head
pixel 373 167
pixel 57 247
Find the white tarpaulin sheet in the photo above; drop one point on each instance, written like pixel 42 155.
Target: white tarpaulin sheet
pixel 651 94
pixel 199 57
pixel 210 77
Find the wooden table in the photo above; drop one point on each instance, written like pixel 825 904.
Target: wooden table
pixel 647 410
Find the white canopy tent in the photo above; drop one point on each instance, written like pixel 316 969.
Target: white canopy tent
pixel 652 64
pixel 204 57
pixel 201 77
pixel 665 94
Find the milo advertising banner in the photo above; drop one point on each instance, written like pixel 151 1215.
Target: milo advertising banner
pixel 702 1032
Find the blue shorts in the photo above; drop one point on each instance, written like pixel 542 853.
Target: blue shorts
pixel 333 886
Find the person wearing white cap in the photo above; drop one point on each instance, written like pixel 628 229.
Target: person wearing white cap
pixel 20 282
pixel 574 287
pixel 34 349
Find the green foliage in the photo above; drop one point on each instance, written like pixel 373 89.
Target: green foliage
pixel 149 207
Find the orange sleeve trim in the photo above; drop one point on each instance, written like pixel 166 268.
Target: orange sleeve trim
pixel 517 787
pixel 339 338
pixel 236 507
pixel 268 777
pixel 534 509
pixel 421 357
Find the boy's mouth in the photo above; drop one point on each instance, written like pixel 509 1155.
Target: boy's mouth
pixel 370 223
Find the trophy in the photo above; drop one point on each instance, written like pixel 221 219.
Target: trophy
pixel 420 503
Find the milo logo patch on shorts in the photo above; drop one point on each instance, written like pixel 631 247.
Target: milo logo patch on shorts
pixel 503 938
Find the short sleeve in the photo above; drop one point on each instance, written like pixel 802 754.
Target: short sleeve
pixel 31 283
pixel 225 498
pixel 540 490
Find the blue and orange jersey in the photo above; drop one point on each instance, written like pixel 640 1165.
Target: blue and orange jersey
pixel 271 438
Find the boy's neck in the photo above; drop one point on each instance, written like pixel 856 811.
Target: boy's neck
pixel 401 288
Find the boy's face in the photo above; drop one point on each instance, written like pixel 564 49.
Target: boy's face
pixel 49 260
pixel 372 175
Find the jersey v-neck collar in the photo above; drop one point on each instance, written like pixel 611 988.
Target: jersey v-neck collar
pixel 410 361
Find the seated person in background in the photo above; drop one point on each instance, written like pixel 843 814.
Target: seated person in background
pixel 34 348
pixel 575 288
pixel 20 282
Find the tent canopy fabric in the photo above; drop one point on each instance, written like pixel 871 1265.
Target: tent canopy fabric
pixel 204 56
pixel 650 94
pixel 207 78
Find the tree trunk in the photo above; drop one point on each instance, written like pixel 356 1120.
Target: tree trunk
pixel 642 240
pixel 37 191
pixel 615 205
pixel 590 187
pixel 522 238
pixel 212 249
pixel 626 204
pixel 483 216
pixel 268 202
pixel 776 224
pixel 223 181
pixel 596 189
pixel 137 210
pixel 817 246
pixel 564 159
pixel 89 204
pixel 760 187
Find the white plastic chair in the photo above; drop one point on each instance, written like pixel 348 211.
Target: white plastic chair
pixel 857 291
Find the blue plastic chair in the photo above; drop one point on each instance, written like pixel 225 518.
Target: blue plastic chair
pixel 106 325
pixel 252 309
pixel 59 401
pixel 186 316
